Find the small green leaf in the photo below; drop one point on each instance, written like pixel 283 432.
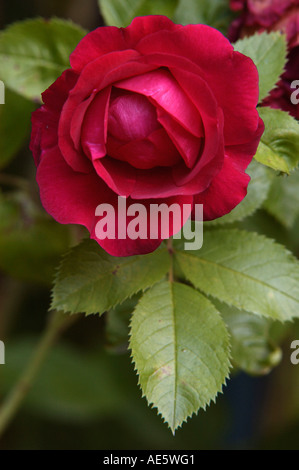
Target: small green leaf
pixel 283 199
pixel 269 53
pixel 33 53
pixel 15 110
pixel 245 270
pixel 121 12
pixel 215 13
pixel 90 280
pixel 258 189
pixel 180 347
pixel 253 350
pixel 279 147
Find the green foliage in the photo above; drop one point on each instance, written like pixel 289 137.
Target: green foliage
pixel 180 348
pixel 253 349
pixel 279 147
pixel 258 189
pixel 214 13
pixel 34 53
pixel 283 199
pixel 121 12
pixel 245 270
pixel 269 53
pixel 14 125
pixel 71 386
pixel 91 281
pixel 30 244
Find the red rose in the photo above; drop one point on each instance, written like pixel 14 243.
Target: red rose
pixel 273 15
pixel 155 112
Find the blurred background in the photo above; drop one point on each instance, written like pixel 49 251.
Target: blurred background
pixel 86 394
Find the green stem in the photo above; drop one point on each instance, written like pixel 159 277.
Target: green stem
pixel 57 324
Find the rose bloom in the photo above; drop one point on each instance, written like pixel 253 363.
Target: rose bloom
pixel 155 112
pixel 272 15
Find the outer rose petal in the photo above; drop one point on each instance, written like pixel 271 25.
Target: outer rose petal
pixel 81 194
pixel 225 192
pixel 45 119
pixel 229 187
pixel 242 154
pixel 235 88
pixel 109 39
pixel 70 197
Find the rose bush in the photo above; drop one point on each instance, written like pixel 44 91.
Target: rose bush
pixel 273 15
pixel 155 112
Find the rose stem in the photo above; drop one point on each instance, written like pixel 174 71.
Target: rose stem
pixel 58 322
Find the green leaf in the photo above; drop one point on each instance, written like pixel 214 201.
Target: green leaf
pixel 214 13
pixel 90 280
pixel 121 12
pixel 269 53
pixel 283 199
pixel 253 350
pixel 180 348
pixel 245 270
pixel 279 147
pixel 15 110
pixel 33 53
pixel 258 189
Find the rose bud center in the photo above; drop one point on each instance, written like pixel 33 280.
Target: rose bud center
pixel 134 133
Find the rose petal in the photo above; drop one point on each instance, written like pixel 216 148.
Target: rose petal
pixel 70 197
pixel 129 247
pixel 161 88
pixel 104 40
pixel 131 116
pixel 95 77
pixel 45 119
pixel 242 154
pixel 225 192
pixel 94 126
pixel 118 175
pixel 187 144
pixel 210 51
pixel 156 150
